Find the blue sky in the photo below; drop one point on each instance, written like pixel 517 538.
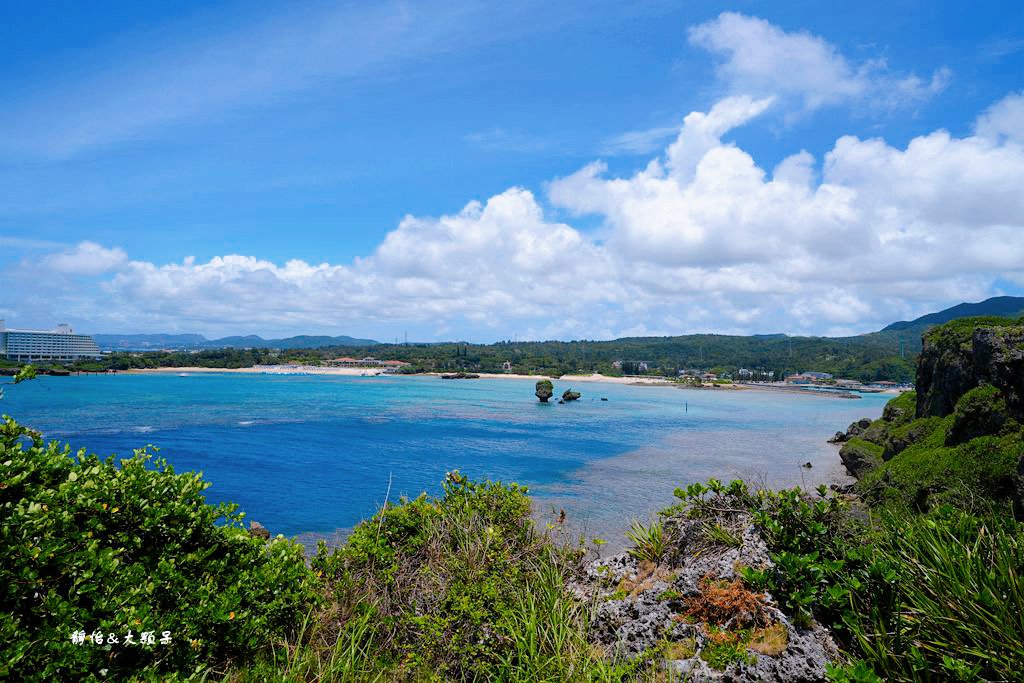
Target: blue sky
pixel 288 168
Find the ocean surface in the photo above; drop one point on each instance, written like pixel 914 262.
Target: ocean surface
pixel 311 456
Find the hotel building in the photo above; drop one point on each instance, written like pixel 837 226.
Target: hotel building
pixel 33 345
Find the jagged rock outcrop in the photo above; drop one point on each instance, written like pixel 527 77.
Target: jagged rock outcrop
pixel 570 395
pixel 854 430
pixel 860 456
pixel 460 375
pixel 544 390
pixel 257 530
pixel 961 433
pixel 643 603
pixel 857 428
pixel 960 356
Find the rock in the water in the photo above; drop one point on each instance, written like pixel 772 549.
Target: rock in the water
pixel 807 465
pixel 570 395
pixel 839 437
pixel 604 399
pixel 257 530
pixel 545 390
pixel 460 375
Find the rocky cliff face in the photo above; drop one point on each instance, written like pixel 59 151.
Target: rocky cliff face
pixel 961 356
pixel 962 435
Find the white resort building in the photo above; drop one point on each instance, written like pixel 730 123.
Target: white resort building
pixel 59 344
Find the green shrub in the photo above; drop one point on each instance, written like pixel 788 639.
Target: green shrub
pixel 93 545
pixel 650 542
pixel 877 433
pixel 980 412
pixel 928 472
pixel 958 332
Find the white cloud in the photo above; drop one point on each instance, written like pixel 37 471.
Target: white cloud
pixel 1004 120
pixel 759 58
pixel 701 239
pixel 87 258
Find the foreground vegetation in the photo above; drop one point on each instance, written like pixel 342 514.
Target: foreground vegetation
pixel 917 577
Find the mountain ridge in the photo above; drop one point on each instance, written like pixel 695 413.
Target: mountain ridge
pixel 1005 306
pixel 156 342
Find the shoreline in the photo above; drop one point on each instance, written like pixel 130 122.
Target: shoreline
pixel 596 378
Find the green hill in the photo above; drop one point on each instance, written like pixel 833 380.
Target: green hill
pixel 1003 306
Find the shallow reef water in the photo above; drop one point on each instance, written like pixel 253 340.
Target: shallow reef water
pixel 311 456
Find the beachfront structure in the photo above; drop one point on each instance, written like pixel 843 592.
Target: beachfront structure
pixel 34 345
pixel 818 375
pixel 631 367
pixel 808 378
pixel 368 362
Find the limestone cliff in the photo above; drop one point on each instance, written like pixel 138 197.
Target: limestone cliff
pixel 961 436
pixel 965 354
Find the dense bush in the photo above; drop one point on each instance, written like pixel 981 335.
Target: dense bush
pixel 928 472
pixel 981 411
pixel 460 587
pixel 93 545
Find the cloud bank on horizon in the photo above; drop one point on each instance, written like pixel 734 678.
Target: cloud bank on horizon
pixel 700 239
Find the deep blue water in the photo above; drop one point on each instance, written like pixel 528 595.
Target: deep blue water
pixel 312 456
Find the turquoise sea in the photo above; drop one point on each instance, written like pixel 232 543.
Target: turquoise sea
pixel 310 456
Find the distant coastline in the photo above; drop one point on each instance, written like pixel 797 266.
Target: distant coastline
pixel 366 372
pixel 589 378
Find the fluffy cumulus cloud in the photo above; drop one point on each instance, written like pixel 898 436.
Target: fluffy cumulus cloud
pixel 702 238
pixel 758 57
pixel 489 264
pixel 88 258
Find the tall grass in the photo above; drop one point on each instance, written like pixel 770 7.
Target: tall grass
pixel 959 611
